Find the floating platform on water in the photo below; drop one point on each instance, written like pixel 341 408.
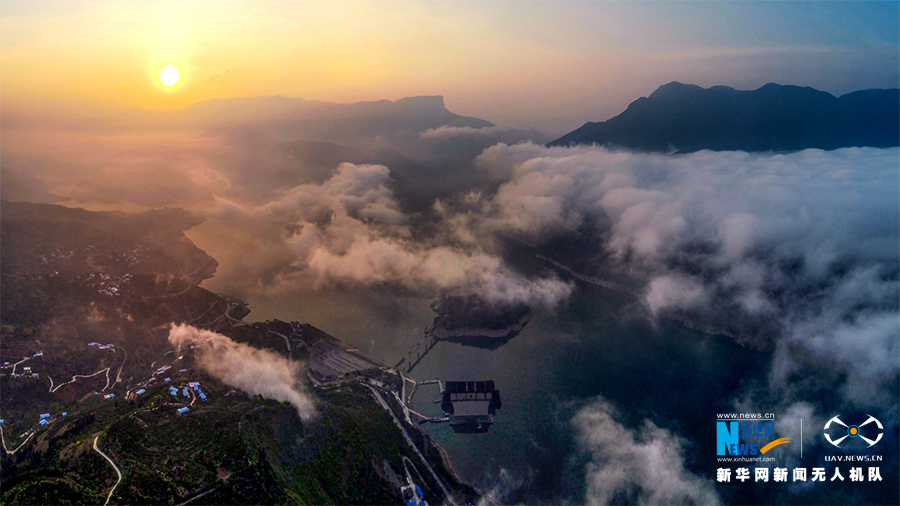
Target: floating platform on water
pixel 470 405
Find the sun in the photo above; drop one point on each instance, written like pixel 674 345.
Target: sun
pixel 169 76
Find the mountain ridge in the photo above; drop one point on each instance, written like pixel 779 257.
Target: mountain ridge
pixel 686 118
pixel 429 110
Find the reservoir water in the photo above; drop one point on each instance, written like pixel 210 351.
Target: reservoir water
pixel 596 344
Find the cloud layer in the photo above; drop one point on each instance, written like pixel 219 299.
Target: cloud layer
pixel 792 252
pixel 635 466
pixel 808 240
pixel 252 370
pixel 795 252
pixel 351 230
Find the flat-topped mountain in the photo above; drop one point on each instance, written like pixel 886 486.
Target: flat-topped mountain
pixel 687 118
pixel 413 113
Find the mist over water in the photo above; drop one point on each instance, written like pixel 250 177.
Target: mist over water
pixel 789 242
pixel 560 363
pixel 794 255
pixel 696 203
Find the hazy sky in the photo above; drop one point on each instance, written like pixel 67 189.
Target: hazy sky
pixel 523 63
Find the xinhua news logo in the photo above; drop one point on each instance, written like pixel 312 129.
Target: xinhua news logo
pixel 746 438
pixel 841 431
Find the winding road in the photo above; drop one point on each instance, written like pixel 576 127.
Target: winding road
pixel 119 374
pixel 409 440
pixel 195 271
pixel 96 449
pixel 75 378
pixel 19 362
pixel 287 343
pixel 3 439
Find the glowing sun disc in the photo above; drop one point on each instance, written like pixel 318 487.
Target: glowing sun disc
pixel 169 76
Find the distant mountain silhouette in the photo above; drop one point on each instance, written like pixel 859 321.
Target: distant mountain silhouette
pixel 412 113
pixel 686 118
pixel 15 185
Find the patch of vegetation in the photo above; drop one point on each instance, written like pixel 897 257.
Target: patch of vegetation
pixel 472 311
pixel 59 268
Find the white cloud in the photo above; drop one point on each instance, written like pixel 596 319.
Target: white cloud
pixel 449 131
pixel 253 370
pixel 350 230
pixel 644 465
pixel 809 239
pixel 675 291
pixel 806 242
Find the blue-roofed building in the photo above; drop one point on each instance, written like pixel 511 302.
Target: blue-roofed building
pixel 203 396
pixel 1 422
pixel 43 421
pixel 183 410
pixel 65 413
pixel 412 494
pixel 184 392
pixel 45 415
pixel 139 392
pixel 110 396
pixel 168 380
